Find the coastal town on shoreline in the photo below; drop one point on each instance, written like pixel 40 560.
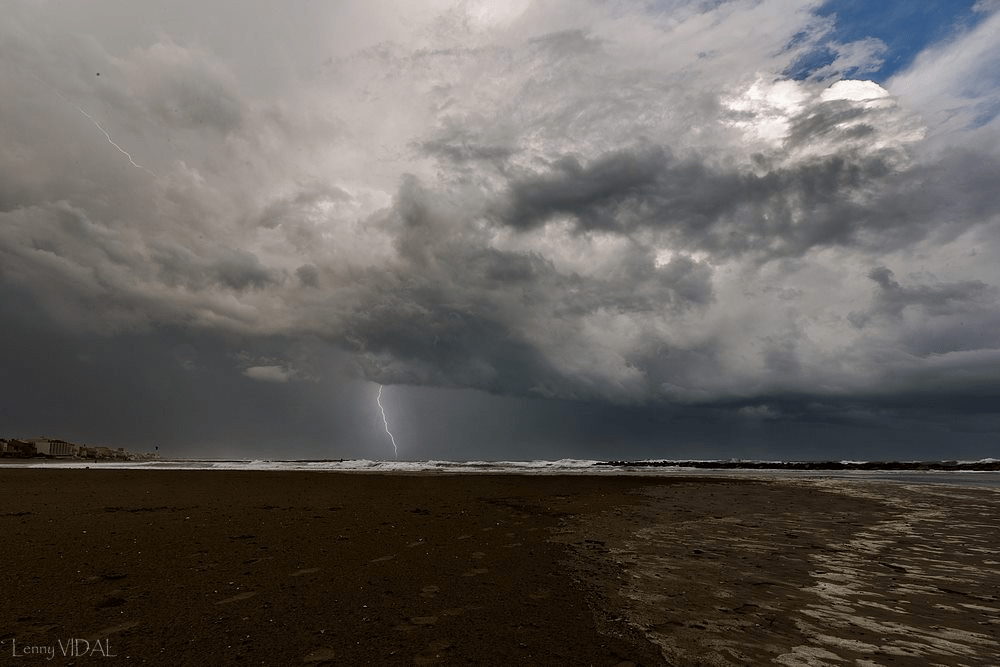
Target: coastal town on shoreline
pixel 54 448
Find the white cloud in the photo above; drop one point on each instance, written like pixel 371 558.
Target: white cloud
pixel 956 87
pixel 580 199
pixel 854 90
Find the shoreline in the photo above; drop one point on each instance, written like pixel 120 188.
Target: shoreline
pixel 303 567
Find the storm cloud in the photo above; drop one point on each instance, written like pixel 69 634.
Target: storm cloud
pixel 628 207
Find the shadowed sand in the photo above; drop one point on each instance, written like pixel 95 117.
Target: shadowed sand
pixel 210 567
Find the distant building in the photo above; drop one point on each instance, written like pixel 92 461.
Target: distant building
pixel 50 447
pixel 22 448
pixel 55 448
pixel 106 453
pixel 12 447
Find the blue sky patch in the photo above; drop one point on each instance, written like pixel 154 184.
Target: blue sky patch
pixel 904 27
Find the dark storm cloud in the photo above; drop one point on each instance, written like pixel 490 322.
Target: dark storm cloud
pixel 472 328
pixel 784 212
pixel 954 319
pixel 599 194
pixel 471 139
pixel 444 347
pixel 573 201
pixel 186 88
pixel 308 275
pixel 939 299
pixel 176 389
pixel 456 313
pixel 227 268
pixel 774 208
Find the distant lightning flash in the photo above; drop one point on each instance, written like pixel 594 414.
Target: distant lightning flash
pixel 112 142
pixel 385 421
pixel 93 120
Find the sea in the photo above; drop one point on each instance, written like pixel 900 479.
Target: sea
pixel 537 467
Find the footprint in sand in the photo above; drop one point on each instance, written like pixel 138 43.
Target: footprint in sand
pixel 254 561
pixel 235 598
pixel 433 653
pixel 424 620
pixel 113 630
pixel 475 571
pixel 308 570
pixel 115 598
pixel 320 655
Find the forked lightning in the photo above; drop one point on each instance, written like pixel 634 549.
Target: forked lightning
pixel 385 421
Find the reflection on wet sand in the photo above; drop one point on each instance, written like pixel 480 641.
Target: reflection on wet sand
pixel 824 572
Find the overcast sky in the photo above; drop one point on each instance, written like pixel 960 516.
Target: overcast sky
pixel 551 228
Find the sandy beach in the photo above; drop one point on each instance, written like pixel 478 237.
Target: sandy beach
pixel 285 568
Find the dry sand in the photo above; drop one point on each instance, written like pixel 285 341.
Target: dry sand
pixel 287 568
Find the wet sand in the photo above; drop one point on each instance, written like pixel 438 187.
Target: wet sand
pixel 285 568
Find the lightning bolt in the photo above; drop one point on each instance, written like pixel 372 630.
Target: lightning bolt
pixel 385 421
pixel 93 120
pixel 112 142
